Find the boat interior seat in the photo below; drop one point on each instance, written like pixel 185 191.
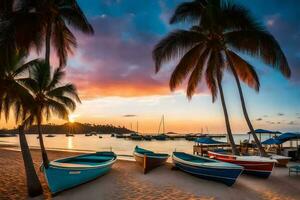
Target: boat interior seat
pixel 96 158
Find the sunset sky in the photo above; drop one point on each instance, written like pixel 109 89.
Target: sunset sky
pixel 114 72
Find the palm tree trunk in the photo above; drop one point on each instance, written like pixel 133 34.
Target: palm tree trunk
pixel 229 132
pixel 43 150
pixel 258 143
pixel 48 41
pixel 34 187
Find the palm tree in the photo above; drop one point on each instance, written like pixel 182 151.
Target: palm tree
pixel 51 97
pixel 20 30
pixel 234 30
pixel 15 97
pixel 56 15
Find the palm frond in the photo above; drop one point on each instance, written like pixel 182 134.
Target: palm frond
pixel 188 11
pixel 175 45
pixel 197 73
pixel 260 44
pixel 58 109
pixel 211 75
pixel 67 102
pixel 244 70
pixel 63 40
pixel 24 67
pixel 236 17
pixel 185 66
pixel 73 14
pixel 58 75
pixel 65 90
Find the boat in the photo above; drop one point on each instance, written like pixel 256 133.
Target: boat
pixel 282 161
pixel 8 135
pixel 69 135
pixel 66 173
pixel 207 168
pixel 147 137
pixel 136 136
pixel 88 134
pixel 161 137
pixel 100 136
pixel 49 135
pixel 255 165
pixel 148 159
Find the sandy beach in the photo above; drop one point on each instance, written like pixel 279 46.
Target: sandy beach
pixel 126 181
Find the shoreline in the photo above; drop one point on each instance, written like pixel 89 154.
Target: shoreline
pixel 126 181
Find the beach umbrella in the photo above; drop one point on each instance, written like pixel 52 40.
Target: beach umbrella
pixel 208 140
pixel 272 141
pixel 288 136
pixel 264 131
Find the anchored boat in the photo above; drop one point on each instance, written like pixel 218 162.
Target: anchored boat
pixel 69 172
pixel 207 168
pixel 148 159
pixel 256 165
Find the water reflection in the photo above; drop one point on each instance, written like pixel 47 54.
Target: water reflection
pixel 70 143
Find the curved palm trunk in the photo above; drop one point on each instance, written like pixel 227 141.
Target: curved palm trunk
pixel 229 132
pixel 43 150
pixel 48 41
pixel 34 187
pixel 258 143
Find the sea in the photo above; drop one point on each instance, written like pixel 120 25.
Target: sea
pixel 122 147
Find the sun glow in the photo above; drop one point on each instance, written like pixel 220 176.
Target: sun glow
pixel 72 118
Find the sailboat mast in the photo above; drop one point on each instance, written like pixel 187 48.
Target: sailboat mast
pixel 137 126
pixel 163 121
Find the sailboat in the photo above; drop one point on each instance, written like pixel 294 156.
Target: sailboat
pixel 162 136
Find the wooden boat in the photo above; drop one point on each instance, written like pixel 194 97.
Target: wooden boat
pixel 69 135
pixel 207 168
pixel 282 161
pixel 256 165
pixel 67 173
pixel 148 159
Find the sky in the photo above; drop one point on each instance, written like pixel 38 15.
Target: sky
pixel 114 72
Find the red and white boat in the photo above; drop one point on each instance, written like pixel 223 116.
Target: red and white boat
pixel 256 165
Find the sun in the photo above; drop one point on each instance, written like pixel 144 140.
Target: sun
pixel 72 118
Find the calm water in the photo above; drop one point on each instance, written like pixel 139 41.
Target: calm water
pixel 118 145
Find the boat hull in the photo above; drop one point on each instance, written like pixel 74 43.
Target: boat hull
pixel 149 162
pixel 224 175
pixel 257 168
pixel 63 178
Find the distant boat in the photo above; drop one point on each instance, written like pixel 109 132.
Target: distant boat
pixel 69 135
pixel 136 136
pixel 148 159
pixel 8 135
pixel 67 173
pixel 88 134
pixel 100 136
pixel 160 137
pixel 49 135
pixel 147 137
pixel 207 168
pixel 112 135
pixel 256 165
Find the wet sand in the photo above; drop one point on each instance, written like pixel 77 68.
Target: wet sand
pixel 126 181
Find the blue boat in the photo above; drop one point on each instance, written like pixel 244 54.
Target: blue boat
pixel 66 173
pixel 207 168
